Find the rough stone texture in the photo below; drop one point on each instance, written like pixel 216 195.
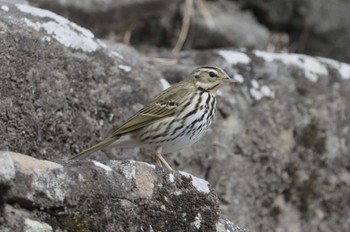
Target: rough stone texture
pixel 279 150
pixel 148 20
pixel 311 25
pixel 62 89
pixel 278 153
pixel 231 27
pixel 58 82
pixel 158 22
pixel 316 27
pixel 114 196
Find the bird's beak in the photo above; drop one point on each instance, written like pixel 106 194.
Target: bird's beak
pixel 228 79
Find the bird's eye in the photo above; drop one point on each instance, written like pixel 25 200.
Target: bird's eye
pixel 212 74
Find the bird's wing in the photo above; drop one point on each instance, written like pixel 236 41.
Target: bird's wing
pixel 164 105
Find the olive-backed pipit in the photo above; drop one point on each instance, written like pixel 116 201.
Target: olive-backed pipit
pixel 178 117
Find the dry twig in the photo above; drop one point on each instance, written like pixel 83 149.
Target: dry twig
pixel 166 61
pixel 204 10
pixel 186 20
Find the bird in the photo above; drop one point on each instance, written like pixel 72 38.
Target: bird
pixel 178 117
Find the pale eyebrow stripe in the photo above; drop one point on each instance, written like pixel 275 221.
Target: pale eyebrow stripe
pixel 210 70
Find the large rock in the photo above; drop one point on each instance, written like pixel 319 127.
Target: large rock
pixel 147 20
pixel 310 25
pixel 59 85
pixel 230 27
pixel 316 27
pixel 39 195
pixel 158 22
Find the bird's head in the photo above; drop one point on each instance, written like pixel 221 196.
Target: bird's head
pixel 210 78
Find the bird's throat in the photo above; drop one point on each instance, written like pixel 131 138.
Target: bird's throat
pixel 211 89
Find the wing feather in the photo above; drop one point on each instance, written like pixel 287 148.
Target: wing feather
pixel 164 105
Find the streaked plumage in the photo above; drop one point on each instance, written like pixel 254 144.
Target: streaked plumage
pixel 178 117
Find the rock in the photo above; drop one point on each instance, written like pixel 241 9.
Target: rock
pixel 60 85
pixel 312 25
pixel 7 171
pixel 120 196
pixel 231 28
pixel 113 19
pixel 279 148
pixel 157 23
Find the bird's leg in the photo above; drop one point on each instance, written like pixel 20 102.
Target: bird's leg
pixel 156 156
pixel 160 159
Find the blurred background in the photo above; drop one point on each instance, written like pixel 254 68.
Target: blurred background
pixel 314 27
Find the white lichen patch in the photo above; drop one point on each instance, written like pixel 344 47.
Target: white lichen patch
pixel 256 94
pixel 197 221
pixel 129 170
pixel 102 44
pixel 125 68
pixel 35 226
pixel 116 54
pixel 259 91
pixel 311 67
pixel 7 170
pixel 5 8
pixel 53 186
pixel 177 192
pixel 234 57
pixel 266 91
pixel 67 33
pixel 171 178
pixel 46 38
pixel 200 184
pixel 150 165
pixel 101 165
pixel 239 78
pixel 342 68
pixel 255 84
pixel 165 84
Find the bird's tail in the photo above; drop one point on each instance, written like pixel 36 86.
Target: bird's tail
pixel 104 143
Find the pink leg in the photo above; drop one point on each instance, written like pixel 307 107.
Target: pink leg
pixel 160 160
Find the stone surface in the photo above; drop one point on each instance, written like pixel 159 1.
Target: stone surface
pixel 157 23
pixel 315 27
pixel 311 26
pixel 230 27
pixel 111 196
pixel 147 20
pixel 277 155
pixel 57 81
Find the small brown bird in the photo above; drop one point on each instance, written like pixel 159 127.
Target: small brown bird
pixel 178 117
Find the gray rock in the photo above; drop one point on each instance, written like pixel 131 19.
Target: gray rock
pixel 109 196
pixel 59 85
pixel 315 27
pixel 157 22
pixel 231 28
pixel 7 171
pixel 114 18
